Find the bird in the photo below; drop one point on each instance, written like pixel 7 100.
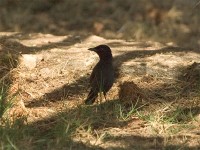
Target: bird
pixel 102 76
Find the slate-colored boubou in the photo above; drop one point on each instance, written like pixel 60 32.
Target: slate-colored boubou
pixel 102 77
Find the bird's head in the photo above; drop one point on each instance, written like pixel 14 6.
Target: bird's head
pixel 103 51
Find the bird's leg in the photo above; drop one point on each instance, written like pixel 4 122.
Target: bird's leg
pixel 101 87
pixel 104 93
pixel 100 97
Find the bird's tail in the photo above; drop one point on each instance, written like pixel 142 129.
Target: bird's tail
pixel 91 97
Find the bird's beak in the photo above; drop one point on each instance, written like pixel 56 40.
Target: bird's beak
pixel 92 49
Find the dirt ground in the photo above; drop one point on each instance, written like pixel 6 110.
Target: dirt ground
pixel 55 80
pixel 49 67
pixel 174 21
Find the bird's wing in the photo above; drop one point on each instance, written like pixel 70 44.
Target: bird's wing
pixel 95 75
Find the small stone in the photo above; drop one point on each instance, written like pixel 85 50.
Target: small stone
pixel 29 61
pixel 45 72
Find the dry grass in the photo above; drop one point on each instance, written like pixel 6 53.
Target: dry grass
pixel 154 103
pixel 167 21
pixel 157 85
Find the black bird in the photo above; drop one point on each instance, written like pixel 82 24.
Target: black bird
pixel 102 77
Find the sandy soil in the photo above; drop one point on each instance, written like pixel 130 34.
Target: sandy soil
pixel 53 71
pixel 45 61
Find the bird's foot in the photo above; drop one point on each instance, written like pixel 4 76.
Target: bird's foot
pixel 88 102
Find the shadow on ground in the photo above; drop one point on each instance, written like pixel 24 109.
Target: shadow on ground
pixel 78 87
pixel 84 119
pixel 167 21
